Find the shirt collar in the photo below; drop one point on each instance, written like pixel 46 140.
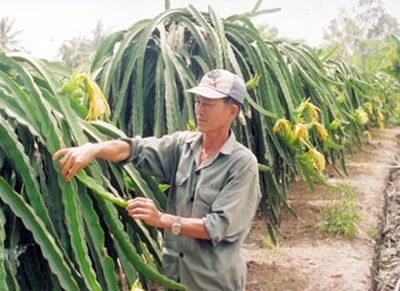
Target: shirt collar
pixel 226 149
pixel 229 144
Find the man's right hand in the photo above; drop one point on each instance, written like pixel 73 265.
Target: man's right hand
pixel 75 159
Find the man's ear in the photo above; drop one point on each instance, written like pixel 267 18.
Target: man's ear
pixel 235 109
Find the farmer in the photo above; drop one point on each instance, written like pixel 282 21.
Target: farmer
pixel 214 189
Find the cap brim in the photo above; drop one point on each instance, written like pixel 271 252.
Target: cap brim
pixel 207 92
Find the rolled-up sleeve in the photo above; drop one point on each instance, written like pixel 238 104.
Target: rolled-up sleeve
pixel 154 156
pixel 234 207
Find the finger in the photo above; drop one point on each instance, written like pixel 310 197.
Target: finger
pixel 69 163
pixel 65 164
pixel 59 153
pixel 148 201
pixel 72 171
pixel 136 203
pixel 139 211
pixel 128 206
pixel 137 200
pixel 142 199
pixel 139 216
pixel 65 158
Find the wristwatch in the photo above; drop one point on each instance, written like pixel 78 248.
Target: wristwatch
pixel 176 226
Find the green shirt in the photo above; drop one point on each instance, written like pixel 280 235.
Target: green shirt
pixel 224 192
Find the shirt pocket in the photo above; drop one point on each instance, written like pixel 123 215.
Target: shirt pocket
pixel 181 184
pixel 181 178
pixel 170 266
pixel 204 201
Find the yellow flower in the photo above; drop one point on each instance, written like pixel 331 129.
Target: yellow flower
pixel 368 107
pixel 98 106
pixel 319 159
pixel 300 131
pixel 361 116
pixel 381 119
pixel 322 132
pixel 137 286
pixel 282 125
pixel 311 108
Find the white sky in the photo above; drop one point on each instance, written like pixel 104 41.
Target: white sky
pixel 46 24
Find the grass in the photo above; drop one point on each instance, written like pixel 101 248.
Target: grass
pixel 341 217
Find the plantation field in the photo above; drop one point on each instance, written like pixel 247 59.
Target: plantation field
pixel 306 258
pixel 311 120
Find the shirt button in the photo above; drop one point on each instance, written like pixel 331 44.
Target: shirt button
pixel 181 255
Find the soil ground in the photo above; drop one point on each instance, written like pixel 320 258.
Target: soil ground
pixel 305 259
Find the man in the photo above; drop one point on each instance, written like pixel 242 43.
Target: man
pixel 214 190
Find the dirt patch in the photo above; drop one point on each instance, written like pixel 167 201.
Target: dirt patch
pixel 307 260
pixel 282 276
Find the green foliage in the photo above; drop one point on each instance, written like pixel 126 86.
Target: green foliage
pixel 81 239
pixel 392 57
pixel 341 217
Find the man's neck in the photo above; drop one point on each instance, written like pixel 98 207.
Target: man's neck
pixel 212 141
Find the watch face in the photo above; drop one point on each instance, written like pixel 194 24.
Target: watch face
pixel 176 228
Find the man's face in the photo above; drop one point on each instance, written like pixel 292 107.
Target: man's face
pixel 213 114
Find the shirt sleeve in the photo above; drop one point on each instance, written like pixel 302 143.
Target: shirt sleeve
pixel 235 206
pixel 155 156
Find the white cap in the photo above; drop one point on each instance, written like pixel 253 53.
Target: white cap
pixel 218 84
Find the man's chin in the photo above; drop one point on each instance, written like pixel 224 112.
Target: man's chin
pixel 202 129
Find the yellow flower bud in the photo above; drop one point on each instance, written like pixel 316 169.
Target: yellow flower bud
pixel 361 116
pixel 368 107
pixel 319 159
pixel 282 125
pixel 311 108
pixel 82 84
pixel 300 131
pixel 380 119
pixel 98 105
pixel 322 132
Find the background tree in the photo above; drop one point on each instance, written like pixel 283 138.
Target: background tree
pixel 393 58
pixel 8 35
pixel 79 51
pixel 362 35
